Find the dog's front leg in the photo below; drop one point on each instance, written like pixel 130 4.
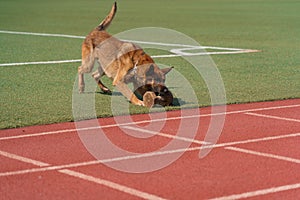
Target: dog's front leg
pixel 124 89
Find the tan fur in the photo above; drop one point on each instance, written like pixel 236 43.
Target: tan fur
pixel 123 62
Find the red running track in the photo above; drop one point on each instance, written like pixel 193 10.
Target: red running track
pixel 257 156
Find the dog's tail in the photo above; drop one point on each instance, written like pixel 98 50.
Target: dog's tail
pixel 106 22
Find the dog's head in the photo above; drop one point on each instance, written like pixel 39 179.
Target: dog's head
pixel 148 77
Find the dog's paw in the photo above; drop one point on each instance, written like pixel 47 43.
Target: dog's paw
pixel 106 91
pixel 81 89
pixel 138 103
pixel 135 101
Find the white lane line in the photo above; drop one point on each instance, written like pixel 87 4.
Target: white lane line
pixel 272 117
pixel 111 184
pixel 268 155
pixel 103 182
pixel 165 135
pixel 251 140
pixel 45 169
pixel 138 156
pixel 41 134
pixel 146 121
pixel 23 159
pixel 264 108
pixel 260 192
pixel 95 162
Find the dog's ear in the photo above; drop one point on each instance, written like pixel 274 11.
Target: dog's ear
pixel 167 70
pixel 150 71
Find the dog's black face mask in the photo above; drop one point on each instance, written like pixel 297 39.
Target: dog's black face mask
pixel 148 78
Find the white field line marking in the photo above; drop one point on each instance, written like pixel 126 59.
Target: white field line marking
pixel 154 56
pixel 23 159
pixel 110 184
pixel 159 153
pixel 42 34
pixel 134 41
pixel 83 37
pixel 161 44
pixel 165 135
pixel 272 117
pixel 67 61
pixel 182 51
pixel 187 47
pixel 260 192
pixel 268 155
pixel 146 121
pixel 103 182
pixel 208 53
pixel 178 52
pixel 39 63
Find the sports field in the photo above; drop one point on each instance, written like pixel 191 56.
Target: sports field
pixel 42 93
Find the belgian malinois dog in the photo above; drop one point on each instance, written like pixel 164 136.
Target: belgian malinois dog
pixel 123 62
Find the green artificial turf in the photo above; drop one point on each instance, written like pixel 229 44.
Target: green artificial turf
pixel 42 94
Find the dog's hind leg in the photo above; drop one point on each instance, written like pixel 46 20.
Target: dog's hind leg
pixel 87 64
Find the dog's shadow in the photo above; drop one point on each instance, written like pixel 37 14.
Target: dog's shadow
pixel 177 102
pixel 109 93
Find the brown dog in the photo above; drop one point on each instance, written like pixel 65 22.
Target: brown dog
pixel 123 62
